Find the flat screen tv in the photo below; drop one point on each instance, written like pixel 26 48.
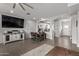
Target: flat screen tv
pixel 12 22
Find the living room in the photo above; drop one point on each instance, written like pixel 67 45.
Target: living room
pixel 38 29
pixel 10 32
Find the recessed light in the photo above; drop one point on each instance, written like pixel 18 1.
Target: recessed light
pixel 28 13
pixel 66 20
pixel 71 4
pixel 66 26
pixel 17 3
pixel 34 18
pixel 11 11
pixel 43 19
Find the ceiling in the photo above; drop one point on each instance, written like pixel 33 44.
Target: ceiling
pixel 40 9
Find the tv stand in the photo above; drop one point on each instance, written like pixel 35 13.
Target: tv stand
pixel 14 35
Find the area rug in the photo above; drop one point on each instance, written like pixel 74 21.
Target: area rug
pixel 60 51
pixel 39 51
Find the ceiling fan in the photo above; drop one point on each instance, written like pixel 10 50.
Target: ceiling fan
pixel 21 5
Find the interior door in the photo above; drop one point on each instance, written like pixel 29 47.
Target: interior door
pixel 66 28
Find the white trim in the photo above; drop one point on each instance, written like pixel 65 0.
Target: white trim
pixel 0 42
pixel 73 42
pixel 71 4
pixel 77 45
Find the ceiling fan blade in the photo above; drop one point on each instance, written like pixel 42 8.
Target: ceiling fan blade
pixel 14 5
pixel 22 6
pixel 28 5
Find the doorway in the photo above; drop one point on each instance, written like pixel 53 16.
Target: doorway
pixel 66 27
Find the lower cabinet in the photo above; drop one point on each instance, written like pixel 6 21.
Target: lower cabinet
pixel 12 37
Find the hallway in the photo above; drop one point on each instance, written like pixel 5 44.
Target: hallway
pixel 65 42
pixel 63 47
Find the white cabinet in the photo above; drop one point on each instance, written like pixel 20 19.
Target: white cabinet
pixel 15 37
pixel 12 37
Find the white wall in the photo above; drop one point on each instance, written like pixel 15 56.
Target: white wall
pixel 57 28
pixel 3 29
pixel 74 29
pixel 49 34
pixel 0 30
pixel 66 27
pixel 29 26
pixel 78 30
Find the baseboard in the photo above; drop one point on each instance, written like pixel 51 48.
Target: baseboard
pixel 77 45
pixel 74 42
pixel 0 42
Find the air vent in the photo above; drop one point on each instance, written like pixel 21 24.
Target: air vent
pixel 28 13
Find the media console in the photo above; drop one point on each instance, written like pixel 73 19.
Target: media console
pixel 14 35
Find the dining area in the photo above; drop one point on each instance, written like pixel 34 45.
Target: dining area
pixel 38 36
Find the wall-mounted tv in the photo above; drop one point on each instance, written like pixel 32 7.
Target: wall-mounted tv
pixel 12 22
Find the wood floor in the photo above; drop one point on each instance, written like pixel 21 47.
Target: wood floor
pixel 65 42
pixel 64 47
pixel 60 51
pixel 19 47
